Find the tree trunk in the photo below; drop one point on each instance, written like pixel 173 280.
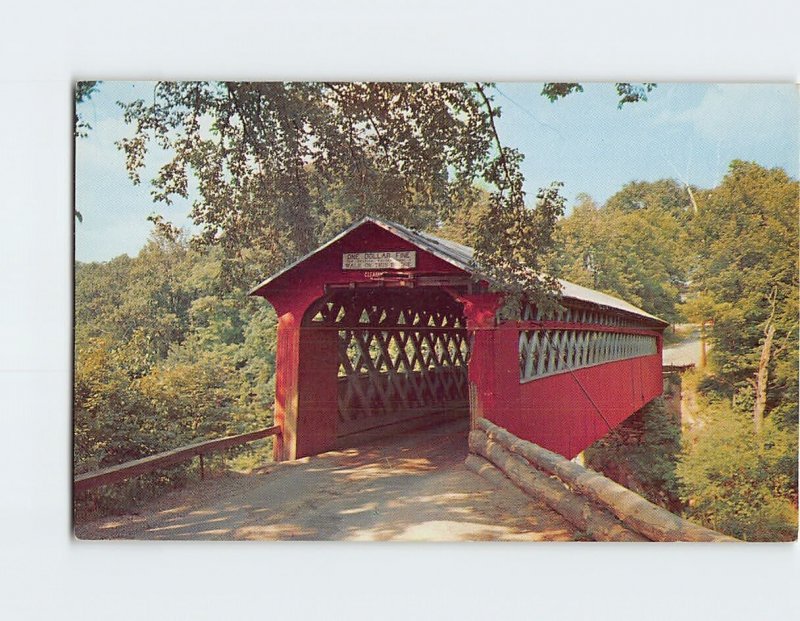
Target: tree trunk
pixel 762 377
pixel 703 358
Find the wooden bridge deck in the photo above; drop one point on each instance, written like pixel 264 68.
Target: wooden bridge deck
pixel 410 487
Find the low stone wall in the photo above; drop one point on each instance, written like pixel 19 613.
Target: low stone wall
pixel 602 508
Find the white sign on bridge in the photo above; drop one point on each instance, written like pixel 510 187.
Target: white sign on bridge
pixel 402 260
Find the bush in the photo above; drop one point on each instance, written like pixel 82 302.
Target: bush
pixel 738 483
pixel 642 454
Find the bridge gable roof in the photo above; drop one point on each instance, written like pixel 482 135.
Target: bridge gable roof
pixel 460 257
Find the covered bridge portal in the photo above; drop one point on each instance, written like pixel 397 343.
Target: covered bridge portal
pixel 383 328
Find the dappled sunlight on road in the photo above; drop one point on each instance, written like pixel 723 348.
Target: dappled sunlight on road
pixel 411 488
pixel 389 469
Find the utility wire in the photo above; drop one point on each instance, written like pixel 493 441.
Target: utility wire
pixel 577 381
pixel 529 113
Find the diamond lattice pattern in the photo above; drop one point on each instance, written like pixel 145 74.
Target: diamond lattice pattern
pixel 547 352
pixel 399 352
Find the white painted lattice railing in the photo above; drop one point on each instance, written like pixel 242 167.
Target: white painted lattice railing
pixel 552 350
pixel 531 312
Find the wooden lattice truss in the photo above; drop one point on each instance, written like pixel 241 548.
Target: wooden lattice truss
pixel 587 337
pixel 402 353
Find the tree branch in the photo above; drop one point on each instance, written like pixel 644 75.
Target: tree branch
pixel 496 136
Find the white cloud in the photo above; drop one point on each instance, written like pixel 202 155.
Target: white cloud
pixel 746 114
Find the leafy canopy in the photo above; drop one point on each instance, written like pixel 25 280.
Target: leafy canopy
pixel 633 247
pixel 737 483
pixel 746 236
pixel 279 166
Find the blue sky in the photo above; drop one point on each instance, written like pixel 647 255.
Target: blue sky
pixel 690 132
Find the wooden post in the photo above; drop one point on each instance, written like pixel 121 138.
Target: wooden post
pixel 479 311
pixel 290 305
pixel 474 406
pixel 287 361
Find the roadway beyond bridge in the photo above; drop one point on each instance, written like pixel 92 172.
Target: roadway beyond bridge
pixel 411 487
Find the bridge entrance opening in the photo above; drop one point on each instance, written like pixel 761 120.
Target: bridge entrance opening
pixel 401 357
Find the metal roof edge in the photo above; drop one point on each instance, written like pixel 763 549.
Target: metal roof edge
pixel 602 299
pixel 425 241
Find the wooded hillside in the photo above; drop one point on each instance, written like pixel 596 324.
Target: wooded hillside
pixel 170 350
pixel 725 258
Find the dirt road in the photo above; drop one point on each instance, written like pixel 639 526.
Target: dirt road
pixel 411 487
pixel 684 353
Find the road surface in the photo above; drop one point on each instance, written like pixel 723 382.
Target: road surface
pixel 410 487
pixel 684 353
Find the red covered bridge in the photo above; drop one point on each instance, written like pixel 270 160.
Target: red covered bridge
pixel 383 329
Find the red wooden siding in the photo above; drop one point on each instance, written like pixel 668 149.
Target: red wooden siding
pixel 306 382
pixel 556 413
pixel 308 279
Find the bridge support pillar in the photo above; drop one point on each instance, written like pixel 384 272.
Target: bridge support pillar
pixel 480 311
pixel 305 383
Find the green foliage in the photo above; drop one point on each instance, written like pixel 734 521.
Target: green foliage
pixel 558 90
pixel 83 92
pixel 512 248
pixel 699 308
pixel 278 162
pixel 664 195
pixel 627 92
pixel 166 354
pixel 633 248
pixel 739 483
pixel 281 166
pixel 631 93
pixel 170 350
pixel 745 278
pixel 642 454
pixel 463 226
pixel 727 256
pixel 746 239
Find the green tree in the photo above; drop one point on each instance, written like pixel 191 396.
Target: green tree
pixel 630 248
pixel 737 482
pixel 167 351
pixel 739 471
pixel 746 236
pixel 83 92
pixel 277 164
pixel 667 195
pixel 464 225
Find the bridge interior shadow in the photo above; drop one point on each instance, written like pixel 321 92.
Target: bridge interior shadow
pixel 409 487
